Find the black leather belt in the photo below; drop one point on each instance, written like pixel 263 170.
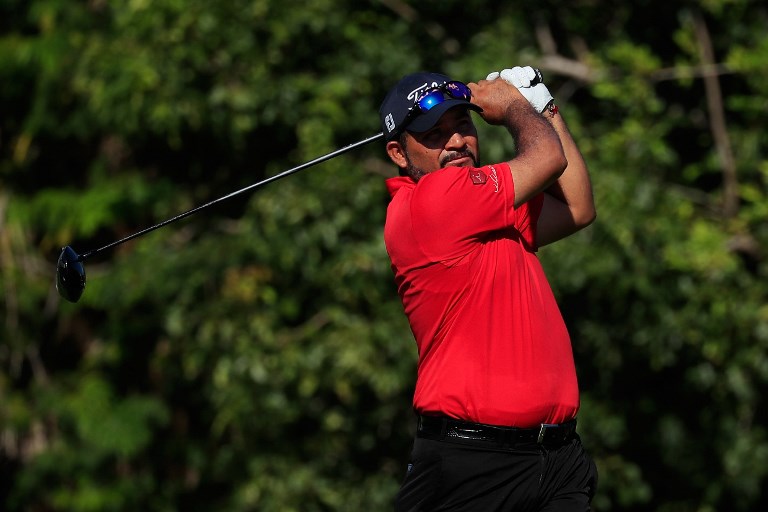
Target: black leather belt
pixel 442 428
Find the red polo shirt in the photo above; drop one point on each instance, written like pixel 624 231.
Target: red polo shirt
pixel 492 344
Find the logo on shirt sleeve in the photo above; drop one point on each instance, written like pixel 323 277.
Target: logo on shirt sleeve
pixel 477 176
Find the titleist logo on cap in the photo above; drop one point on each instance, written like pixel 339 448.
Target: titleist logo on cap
pixel 397 110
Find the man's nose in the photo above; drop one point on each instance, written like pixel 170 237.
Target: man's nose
pixel 456 141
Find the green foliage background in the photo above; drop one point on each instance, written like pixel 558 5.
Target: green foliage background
pixel 256 357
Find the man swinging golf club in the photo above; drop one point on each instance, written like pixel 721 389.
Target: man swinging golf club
pixel 496 392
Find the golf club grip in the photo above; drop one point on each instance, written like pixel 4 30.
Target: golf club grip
pixel 538 79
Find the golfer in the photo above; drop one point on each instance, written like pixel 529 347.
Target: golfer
pixel 496 392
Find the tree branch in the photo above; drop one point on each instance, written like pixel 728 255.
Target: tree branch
pixel 578 68
pixel 717 122
pixel 434 30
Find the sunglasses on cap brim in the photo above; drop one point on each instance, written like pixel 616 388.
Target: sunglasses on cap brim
pixel 434 96
pixel 437 95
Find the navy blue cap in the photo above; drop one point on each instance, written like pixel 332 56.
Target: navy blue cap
pixel 402 97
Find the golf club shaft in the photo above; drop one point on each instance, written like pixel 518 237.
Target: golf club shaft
pixel 84 256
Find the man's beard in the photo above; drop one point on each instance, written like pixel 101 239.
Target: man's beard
pixel 416 174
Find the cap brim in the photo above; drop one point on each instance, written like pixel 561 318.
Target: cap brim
pixel 424 122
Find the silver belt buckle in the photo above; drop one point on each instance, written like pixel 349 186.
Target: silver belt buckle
pixel 542 431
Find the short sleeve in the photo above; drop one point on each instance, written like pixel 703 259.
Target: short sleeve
pixel 455 208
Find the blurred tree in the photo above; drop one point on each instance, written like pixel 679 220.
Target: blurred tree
pixel 256 357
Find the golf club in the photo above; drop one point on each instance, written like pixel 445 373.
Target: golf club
pixel 70 272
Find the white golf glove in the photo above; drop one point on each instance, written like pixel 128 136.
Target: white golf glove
pixel 529 82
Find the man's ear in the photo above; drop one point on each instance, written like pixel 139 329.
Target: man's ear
pixel 396 153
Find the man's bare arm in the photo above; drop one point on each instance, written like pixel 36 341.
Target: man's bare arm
pixel 540 158
pixel 569 204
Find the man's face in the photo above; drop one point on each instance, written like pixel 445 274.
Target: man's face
pixel 451 142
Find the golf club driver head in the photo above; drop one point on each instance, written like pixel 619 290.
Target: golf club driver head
pixel 70 275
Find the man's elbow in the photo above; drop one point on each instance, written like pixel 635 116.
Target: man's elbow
pixel 585 216
pixel 557 162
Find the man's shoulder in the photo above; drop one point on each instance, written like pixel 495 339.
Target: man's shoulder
pixel 398 183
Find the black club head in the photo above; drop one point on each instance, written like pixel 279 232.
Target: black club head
pixel 70 275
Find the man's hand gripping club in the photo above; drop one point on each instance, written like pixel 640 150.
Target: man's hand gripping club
pixel 540 159
pixel 529 82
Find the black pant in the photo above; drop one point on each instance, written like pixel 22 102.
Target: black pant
pixel 446 476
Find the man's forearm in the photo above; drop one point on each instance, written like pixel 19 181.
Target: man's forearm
pixel 540 158
pixel 573 187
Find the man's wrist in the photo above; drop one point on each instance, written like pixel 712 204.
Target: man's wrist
pixel 551 109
